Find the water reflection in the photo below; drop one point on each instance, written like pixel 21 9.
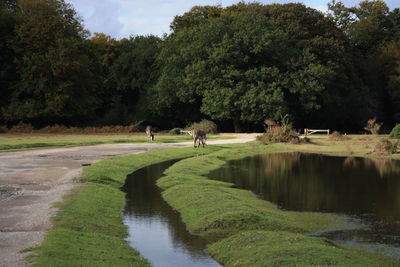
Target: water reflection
pixel 155 229
pixel 367 188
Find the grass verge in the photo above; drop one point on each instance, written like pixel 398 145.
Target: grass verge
pixel 14 142
pixel 246 231
pixel 249 231
pixel 88 229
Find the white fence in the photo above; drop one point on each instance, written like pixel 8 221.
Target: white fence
pixel 312 131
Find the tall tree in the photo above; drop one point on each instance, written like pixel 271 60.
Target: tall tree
pixel 311 69
pixel 54 78
pixel 8 21
pixel 103 50
pixel 239 67
pixel 132 74
pixel 374 32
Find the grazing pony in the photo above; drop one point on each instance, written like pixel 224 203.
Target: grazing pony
pixel 199 137
pixel 149 133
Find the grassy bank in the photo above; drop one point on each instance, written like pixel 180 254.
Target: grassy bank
pixel 250 231
pixel 245 230
pixel 88 229
pixel 13 142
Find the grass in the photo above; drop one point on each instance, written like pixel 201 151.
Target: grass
pixel 88 229
pixel 252 232
pixel 245 230
pixel 13 142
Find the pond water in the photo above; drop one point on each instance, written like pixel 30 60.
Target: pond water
pixel 155 229
pixel 365 189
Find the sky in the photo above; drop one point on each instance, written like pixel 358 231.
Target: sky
pixel 123 18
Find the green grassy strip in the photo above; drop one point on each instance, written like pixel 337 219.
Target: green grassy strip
pixel 250 231
pixel 28 142
pixel 88 229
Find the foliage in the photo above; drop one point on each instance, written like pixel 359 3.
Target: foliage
pixel 270 122
pixel 395 133
pixel 175 131
pixel 386 147
pixel 374 33
pixel 241 67
pixel 132 74
pixel 3 129
pixel 236 65
pixel 282 133
pixel 338 136
pixel 54 78
pixel 372 126
pixel 205 125
pixel 21 128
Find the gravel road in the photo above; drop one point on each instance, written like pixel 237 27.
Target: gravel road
pixel 32 181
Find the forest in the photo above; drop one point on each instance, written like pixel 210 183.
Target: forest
pixel 235 65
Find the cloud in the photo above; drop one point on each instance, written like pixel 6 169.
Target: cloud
pixel 122 18
pixel 100 16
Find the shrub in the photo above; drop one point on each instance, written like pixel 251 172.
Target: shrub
pixel 3 129
pixel 205 125
pixel 21 128
pixel 386 147
pixel 175 131
pixel 283 133
pixel 279 134
pixel 395 133
pixel 337 136
pixel 372 126
pixel 270 122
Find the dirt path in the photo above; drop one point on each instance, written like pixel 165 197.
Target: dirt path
pixel 32 181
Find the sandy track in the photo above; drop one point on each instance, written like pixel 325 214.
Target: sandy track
pixel 32 181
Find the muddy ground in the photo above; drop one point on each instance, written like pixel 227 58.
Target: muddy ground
pixel 32 181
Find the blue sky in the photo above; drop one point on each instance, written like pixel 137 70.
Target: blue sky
pixel 122 18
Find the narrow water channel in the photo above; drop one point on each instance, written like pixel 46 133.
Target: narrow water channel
pixel 365 189
pixel 155 229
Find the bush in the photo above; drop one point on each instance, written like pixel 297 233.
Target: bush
pixel 395 133
pixel 386 147
pixel 337 136
pixel 373 126
pixel 21 128
pixel 283 133
pixel 61 129
pixel 205 125
pixel 175 131
pixel 279 134
pixel 3 129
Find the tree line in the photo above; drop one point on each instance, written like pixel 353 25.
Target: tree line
pixel 235 65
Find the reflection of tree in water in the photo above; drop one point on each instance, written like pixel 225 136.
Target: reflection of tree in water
pixel 383 166
pixel 351 162
pixel 368 188
pixel 310 182
pixel 279 164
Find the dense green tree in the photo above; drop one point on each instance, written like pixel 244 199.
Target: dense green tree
pixel 8 21
pixel 103 51
pixel 310 69
pixel 239 67
pixel 374 33
pixel 54 79
pixel 195 16
pixel 132 74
